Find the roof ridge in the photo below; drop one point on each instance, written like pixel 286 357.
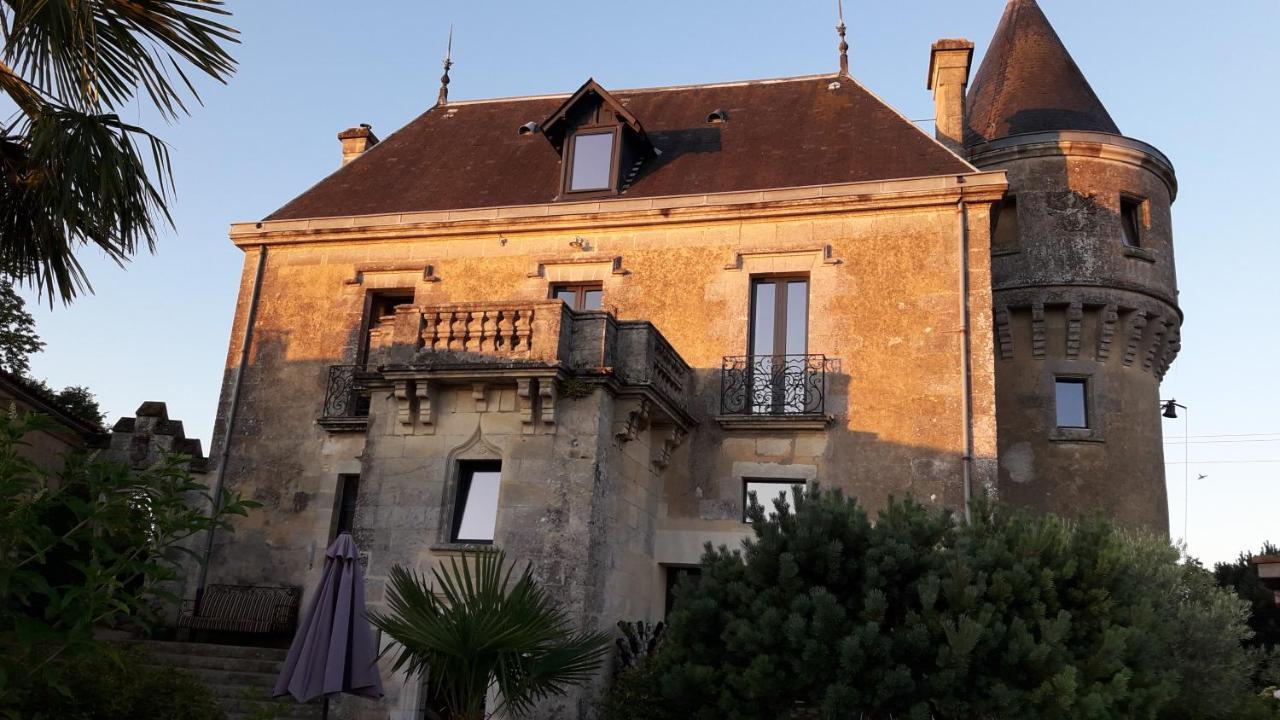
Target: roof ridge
pixel 655 88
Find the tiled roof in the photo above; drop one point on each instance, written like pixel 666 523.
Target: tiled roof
pixel 778 133
pixel 1028 82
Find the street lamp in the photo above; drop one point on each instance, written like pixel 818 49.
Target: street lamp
pixel 1170 410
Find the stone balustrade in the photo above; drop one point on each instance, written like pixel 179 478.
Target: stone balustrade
pixel 487 337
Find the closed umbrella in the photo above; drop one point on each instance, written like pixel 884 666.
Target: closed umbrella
pixel 333 650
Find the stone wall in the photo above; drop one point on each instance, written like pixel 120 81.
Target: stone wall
pixel 1073 299
pixel 599 500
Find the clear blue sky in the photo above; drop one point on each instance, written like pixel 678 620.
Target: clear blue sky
pixel 1195 79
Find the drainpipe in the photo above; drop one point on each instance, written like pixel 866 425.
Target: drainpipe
pixel 245 342
pixel 965 368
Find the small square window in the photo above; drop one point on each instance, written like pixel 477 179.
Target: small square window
pixel 592 161
pixel 1071 402
pixel 1131 221
pixel 475 511
pixel 580 296
pixel 765 492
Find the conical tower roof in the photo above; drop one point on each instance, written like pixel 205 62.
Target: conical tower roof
pixel 1029 83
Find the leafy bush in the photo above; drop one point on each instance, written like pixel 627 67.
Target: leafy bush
pixel 116 684
pixel 94 545
pixel 827 614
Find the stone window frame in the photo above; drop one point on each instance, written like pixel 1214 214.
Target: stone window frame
pixel 476 448
pixel 464 471
pixel 767 472
pixel 746 481
pixel 1142 220
pixel 347 493
pixel 1095 400
pixel 997 212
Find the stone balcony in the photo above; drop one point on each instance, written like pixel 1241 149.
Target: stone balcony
pixel 541 346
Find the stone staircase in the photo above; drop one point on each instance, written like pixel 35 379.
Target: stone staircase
pixel 241 677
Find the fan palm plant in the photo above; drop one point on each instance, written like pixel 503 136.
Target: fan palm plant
pixel 72 173
pixel 478 629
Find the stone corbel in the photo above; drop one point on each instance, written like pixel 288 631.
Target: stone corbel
pixel 404 394
pixel 637 419
pixel 479 395
pixel 673 440
pixel 547 401
pixel 426 413
pixel 524 404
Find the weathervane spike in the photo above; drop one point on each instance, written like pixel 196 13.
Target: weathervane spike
pixel 443 98
pixel 844 45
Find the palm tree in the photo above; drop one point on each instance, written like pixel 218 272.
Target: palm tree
pixel 479 630
pixel 72 173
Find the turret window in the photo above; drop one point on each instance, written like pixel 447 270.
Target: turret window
pixel 1131 221
pixel 591 161
pixel 1071 402
pixel 1004 226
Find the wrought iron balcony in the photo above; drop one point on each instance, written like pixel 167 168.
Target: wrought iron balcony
pixel 345 397
pixel 773 386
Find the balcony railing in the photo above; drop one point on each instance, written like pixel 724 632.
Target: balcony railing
pixel 773 385
pixel 345 396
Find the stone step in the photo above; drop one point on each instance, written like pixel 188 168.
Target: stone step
pixel 252 680
pixel 212 650
pixel 281 709
pixel 214 662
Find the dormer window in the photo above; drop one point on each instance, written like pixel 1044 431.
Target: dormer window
pixel 591 159
pixel 596 137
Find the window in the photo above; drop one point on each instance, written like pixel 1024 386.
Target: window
pixel 348 493
pixel 779 316
pixel 1071 402
pixel 475 511
pixel 781 379
pixel 1131 221
pixel 381 303
pixel 580 296
pixel 766 491
pixel 1004 226
pixel 591 161
pixel 675 577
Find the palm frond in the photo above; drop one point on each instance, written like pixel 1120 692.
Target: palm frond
pixel 69 179
pixel 480 626
pixel 97 54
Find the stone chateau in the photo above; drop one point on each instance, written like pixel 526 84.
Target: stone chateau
pixel 583 327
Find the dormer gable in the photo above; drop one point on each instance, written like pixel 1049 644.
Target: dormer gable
pixel 601 144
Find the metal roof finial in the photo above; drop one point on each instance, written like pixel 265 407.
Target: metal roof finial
pixel 844 45
pixel 443 98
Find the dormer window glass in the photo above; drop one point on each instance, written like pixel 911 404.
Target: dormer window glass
pixel 591 160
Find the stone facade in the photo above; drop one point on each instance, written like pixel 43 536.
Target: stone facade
pixel 616 461
pixel 401 347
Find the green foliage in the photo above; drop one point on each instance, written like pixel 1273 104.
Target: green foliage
pixel 18 338
pixel 117 684
pixel 71 172
pixel 477 629
pixel 1241 578
pixel 94 545
pixel 918 616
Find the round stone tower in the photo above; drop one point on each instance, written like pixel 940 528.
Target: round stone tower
pixel 1085 294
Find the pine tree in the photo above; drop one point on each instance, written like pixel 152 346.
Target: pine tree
pixel 824 613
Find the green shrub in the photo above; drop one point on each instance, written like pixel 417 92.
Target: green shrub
pixel 117 685
pixel 916 616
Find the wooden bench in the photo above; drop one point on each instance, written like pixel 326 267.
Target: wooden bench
pixel 243 608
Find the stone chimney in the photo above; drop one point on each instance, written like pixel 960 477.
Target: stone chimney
pixel 948 79
pixel 355 141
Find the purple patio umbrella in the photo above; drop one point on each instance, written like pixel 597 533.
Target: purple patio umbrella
pixel 333 650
